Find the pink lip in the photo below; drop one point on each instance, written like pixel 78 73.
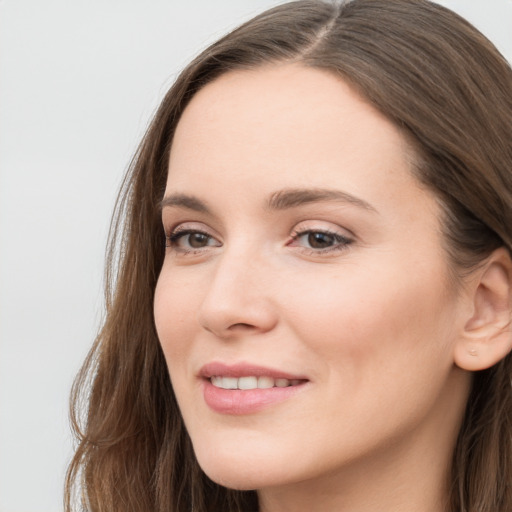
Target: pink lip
pixel 243 370
pixel 240 402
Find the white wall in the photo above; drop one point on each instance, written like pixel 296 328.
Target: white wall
pixel 78 83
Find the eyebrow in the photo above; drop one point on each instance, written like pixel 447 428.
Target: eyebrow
pixel 184 201
pixel 290 198
pixel 280 200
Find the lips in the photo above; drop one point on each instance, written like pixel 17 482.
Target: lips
pixel 246 389
pixel 243 370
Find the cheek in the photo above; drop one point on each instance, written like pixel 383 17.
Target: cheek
pixel 371 319
pixel 175 305
pixel 376 344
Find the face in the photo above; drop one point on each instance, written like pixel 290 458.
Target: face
pixel 304 305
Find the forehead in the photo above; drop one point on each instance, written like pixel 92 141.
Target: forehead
pixel 286 125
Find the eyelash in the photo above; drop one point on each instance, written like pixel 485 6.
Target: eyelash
pixel 340 242
pixel 172 240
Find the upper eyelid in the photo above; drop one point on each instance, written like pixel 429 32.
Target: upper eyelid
pixel 182 226
pixel 191 225
pixel 333 231
pixel 171 228
pixel 178 233
pixel 172 223
pixel 333 228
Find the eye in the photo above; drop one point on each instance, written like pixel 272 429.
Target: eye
pixel 189 240
pixel 320 241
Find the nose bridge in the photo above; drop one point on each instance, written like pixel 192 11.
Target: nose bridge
pixel 238 296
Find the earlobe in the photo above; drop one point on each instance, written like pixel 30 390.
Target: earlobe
pixel 487 334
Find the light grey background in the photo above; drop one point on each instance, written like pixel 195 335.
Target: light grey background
pixel 78 82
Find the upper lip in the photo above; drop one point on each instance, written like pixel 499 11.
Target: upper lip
pixel 244 370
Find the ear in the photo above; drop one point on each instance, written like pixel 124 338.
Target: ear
pixel 487 334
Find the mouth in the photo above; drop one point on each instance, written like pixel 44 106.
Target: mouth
pixel 241 389
pixel 253 382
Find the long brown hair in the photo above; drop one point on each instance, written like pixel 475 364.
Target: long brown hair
pixel 450 91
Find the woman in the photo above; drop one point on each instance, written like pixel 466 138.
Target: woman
pixel 333 188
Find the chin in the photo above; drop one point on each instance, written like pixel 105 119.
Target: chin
pixel 231 477
pixel 240 471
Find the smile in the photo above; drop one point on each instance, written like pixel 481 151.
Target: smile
pixel 252 382
pixel 244 388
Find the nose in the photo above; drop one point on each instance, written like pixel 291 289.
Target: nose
pixel 239 298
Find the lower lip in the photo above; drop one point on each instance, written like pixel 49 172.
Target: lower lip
pixel 238 402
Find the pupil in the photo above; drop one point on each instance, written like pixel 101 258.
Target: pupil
pixel 320 240
pixel 197 240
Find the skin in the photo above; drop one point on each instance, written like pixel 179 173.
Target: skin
pixel 371 323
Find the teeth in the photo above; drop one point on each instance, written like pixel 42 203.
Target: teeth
pixel 265 382
pixel 216 381
pixel 247 383
pixel 229 382
pixel 251 382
